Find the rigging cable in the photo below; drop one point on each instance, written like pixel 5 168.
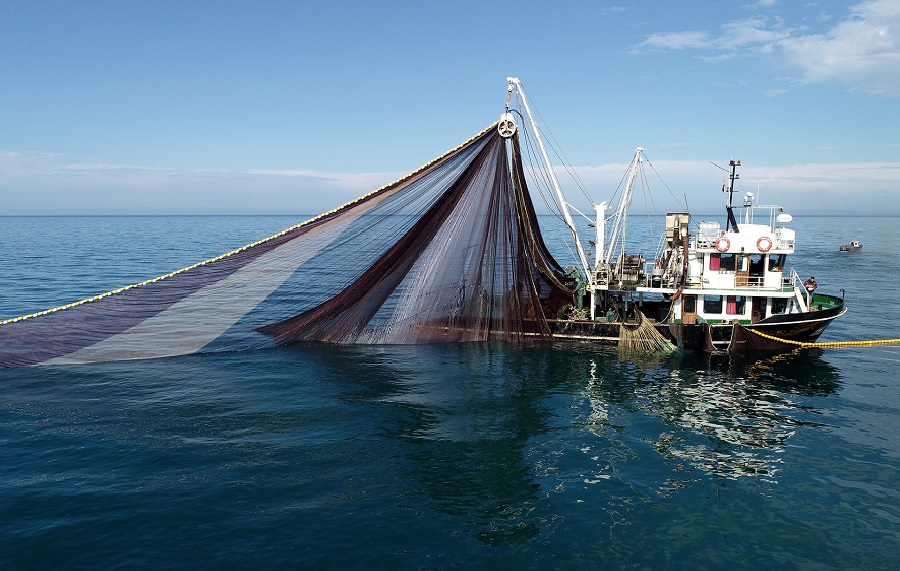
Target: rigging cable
pixel 552 143
pixel 539 173
pixel 541 179
pixel 665 185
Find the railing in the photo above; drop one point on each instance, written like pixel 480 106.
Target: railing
pixel 792 280
pixel 755 283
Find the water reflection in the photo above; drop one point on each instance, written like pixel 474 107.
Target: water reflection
pixel 491 432
pixel 725 416
pixel 497 442
pixel 464 416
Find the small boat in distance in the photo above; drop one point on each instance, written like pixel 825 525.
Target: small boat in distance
pixel 854 246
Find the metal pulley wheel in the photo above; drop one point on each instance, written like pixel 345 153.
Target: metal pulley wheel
pixel 507 125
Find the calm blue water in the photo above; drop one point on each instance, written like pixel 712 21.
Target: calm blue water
pixel 442 457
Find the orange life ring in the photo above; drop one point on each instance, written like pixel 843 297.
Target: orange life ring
pixel 768 244
pixel 722 244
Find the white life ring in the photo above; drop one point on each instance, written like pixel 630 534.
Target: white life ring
pixel 764 244
pixel 722 244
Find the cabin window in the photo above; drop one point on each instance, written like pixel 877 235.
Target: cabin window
pixel 743 263
pixel 735 304
pixel 776 262
pixel 689 304
pixel 779 306
pixel 715 262
pixel 756 265
pixel 712 304
pixel 727 262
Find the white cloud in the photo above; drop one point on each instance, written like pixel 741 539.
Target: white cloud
pixel 751 32
pixel 613 10
pixel 41 183
pixel 677 41
pixel 862 51
pixel 804 189
pixel 44 183
pixel 733 37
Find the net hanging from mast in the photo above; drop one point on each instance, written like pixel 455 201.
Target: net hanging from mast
pixel 452 252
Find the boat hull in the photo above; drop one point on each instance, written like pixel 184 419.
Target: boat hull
pixel 733 337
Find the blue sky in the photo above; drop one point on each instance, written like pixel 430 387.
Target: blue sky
pixel 295 107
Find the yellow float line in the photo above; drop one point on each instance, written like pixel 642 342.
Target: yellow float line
pixel 829 343
pixel 257 243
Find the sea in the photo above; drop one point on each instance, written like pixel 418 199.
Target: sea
pixel 462 456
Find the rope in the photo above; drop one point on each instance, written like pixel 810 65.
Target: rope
pixel 834 344
pixel 248 246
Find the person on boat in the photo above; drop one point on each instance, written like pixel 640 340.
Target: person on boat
pixel 810 286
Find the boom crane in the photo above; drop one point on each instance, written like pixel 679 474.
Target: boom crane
pixel 513 84
pixel 624 204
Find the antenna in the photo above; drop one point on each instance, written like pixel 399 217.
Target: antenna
pixel 732 223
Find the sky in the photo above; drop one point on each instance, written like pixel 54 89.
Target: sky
pixel 295 107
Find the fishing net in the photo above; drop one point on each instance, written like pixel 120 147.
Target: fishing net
pixel 452 252
pixel 642 337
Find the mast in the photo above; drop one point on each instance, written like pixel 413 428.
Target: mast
pixel 514 83
pixel 624 204
pixel 731 224
pixel 600 225
pixel 599 246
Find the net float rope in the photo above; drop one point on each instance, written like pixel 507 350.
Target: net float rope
pixel 248 246
pixel 830 344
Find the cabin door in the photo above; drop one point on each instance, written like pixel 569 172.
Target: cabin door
pixel 742 271
pixel 759 308
pixel 689 309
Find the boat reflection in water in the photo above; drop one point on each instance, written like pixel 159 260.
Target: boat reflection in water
pixel 725 416
pixel 495 432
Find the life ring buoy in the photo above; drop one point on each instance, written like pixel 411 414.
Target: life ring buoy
pixel 722 244
pixel 764 244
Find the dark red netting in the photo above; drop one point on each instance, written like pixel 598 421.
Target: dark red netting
pixel 474 267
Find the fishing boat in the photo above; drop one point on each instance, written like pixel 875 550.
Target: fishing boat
pixel 853 246
pixel 709 287
pixel 454 252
